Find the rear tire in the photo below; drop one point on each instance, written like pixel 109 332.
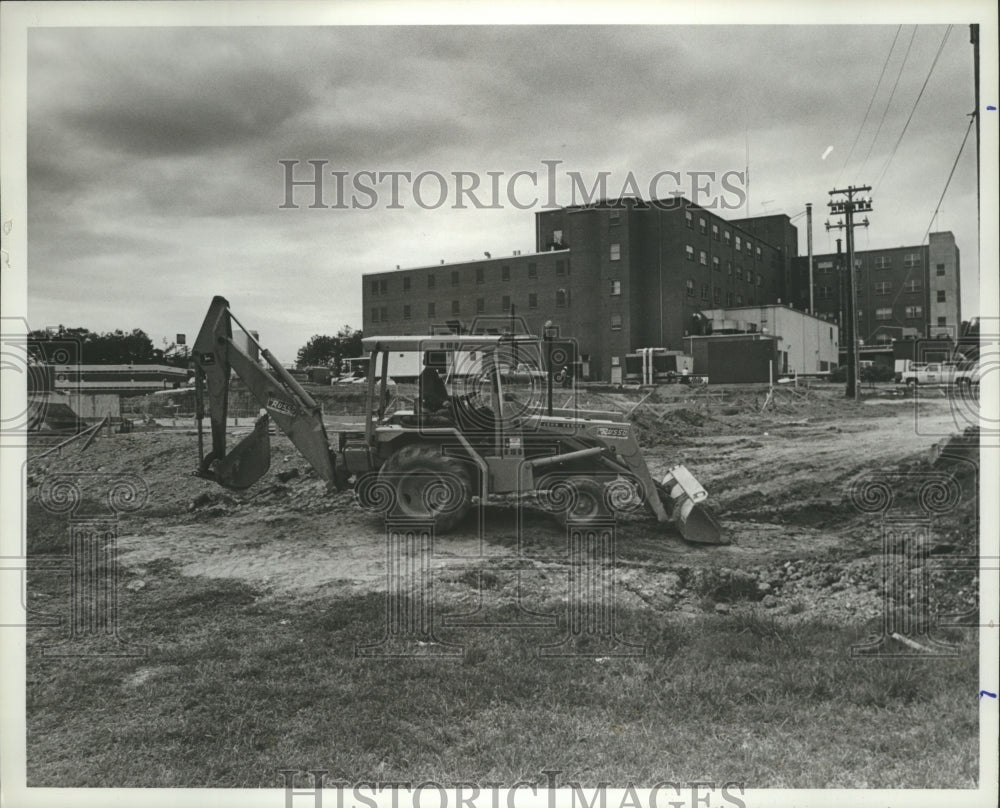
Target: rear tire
pixel 429 485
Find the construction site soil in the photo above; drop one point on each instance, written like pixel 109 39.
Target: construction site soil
pixel 780 482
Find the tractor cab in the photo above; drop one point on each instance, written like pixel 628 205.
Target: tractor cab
pixel 474 384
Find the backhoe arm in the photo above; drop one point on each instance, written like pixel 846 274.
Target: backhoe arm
pixel 216 357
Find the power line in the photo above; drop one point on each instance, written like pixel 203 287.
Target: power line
pixel 937 208
pixel 878 84
pixel 889 102
pixel 914 109
pixel 951 174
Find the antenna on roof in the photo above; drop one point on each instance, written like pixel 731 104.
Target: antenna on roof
pixel 746 138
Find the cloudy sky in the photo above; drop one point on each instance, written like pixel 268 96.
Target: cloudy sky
pixel 154 178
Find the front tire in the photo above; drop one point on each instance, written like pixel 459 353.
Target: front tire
pixel 429 485
pixel 586 501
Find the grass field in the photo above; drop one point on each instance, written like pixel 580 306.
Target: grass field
pixel 235 687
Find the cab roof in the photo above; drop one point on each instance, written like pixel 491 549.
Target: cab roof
pixel 440 342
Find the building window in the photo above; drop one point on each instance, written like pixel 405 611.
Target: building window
pixel 715 263
pixel 883 338
pixel 883 314
pixel 688 219
pixel 729 268
pixel 406 311
pixel 825 267
pixel 716 295
pixel 454 307
pixel 374 287
pixel 480 305
pixel 616 252
pixel 689 288
pixel 758 253
pixel 914 312
pixel 715 232
pixel 560 267
pixel 824 292
pixel 704 291
pixel 760 279
pixel 883 287
pixel 883 262
pixel 557 237
pixel 431 281
pixel 383 313
pixel 739 273
pixel 532 270
pixel 506 303
pixel 560 297
pixel 941 296
pixel 725 236
pixel 479 275
pixel 940 269
pixel 505 273
pixel 689 252
pixel 702 258
pixel 911 260
pixel 454 277
pixel 616 322
pixel 702 224
pixel 532 301
pixel 729 298
pixel 383 287
pixel 616 288
pixel 406 284
pixel 614 217
pixel 913 286
pixel 739 243
pixel 374 314
pixel 749 247
pixel 739 300
pixel 430 309
pixel 942 321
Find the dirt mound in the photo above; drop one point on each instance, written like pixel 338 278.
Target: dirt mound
pixel 164 462
pixel 670 426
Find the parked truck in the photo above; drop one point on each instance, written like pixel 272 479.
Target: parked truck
pixel 946 374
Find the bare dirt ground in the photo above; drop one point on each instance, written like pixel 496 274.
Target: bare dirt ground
pixel 779 482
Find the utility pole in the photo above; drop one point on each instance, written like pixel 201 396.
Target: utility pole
pixel 809 242
pixel 847 208
pixel 845 337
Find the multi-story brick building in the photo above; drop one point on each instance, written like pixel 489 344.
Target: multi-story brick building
pixel 613 276
pixel 901 291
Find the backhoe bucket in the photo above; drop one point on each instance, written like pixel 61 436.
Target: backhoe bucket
pixel 248 461
pixel 695 521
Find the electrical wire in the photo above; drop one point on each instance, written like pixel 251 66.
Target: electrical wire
pixel 937 208
pixel 899 140
pixel 951 174
pixel 878 84
pixel 889 102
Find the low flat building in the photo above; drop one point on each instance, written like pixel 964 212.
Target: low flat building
pixel 806 343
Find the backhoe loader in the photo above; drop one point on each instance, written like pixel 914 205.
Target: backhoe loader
pixel 487 429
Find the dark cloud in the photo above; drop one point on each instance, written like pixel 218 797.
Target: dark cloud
pixel 153 153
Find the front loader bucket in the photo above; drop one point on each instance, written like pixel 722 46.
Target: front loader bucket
pixel 697 524
pixel 248 461
pixel 694 520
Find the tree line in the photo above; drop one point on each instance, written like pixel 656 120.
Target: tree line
pixel 86 347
